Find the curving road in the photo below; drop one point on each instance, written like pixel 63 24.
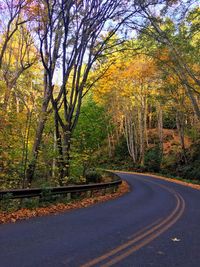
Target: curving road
pixel 156 224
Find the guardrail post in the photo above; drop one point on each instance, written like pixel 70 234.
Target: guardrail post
pixel 90 193
pixel 103 191
pixel 115 189
pixel 69 196
pixel 107 190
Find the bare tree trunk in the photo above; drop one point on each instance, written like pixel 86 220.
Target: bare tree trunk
pixel 129 134
pixel 66 153
pixel 60 159
pixel 109 146
pixel 150 117
pixel 141 117
pixel 54 158
pixel 160 127
pixel 26 147
pixel 38 138
pixel 193 101
pixel 180 123
pixel 145 122
pixel 17 104
pixel 6 98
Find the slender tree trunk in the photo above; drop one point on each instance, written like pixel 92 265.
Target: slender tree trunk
pixel 26 147
pixel 60 159
pixel 150 117
pixel 141 116
pixel 160 127
pixel 109 146
pixel 180 123
pixel 145 122
pixel 38 138
pixel 17 104
pixel 6 98
pixel 54 158
pixel 194 102
pixel 129 134
pixel 24 151
pixel 66 153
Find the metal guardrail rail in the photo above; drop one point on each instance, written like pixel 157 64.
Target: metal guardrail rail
pixel 39 192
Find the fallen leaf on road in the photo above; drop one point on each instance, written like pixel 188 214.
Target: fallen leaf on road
pixel 175 239
pixel 161 253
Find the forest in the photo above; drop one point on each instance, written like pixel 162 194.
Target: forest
pixel 89 84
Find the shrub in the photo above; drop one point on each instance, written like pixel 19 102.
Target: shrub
pixel 190 171
pixel 121 150
pixel 30 203
pixel 169 120
pixel 46 195
pixel 153 158
pixel 93 177
pixel 8 204
pixel 74 180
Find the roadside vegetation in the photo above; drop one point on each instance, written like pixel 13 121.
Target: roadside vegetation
pixel 14 210
pixel 98 84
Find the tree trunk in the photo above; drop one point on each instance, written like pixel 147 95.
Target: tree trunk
pixel 6 98
pixel 54 158
pixel 66 154
pixel 142 119
pixel 194 102
pixel 145 123
pixel 38 138
pixel 160 127
pixel 60 159
pixel 109 146
pixel 129 134
pixel 180 123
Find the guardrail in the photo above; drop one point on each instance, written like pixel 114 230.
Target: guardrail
pixel 39 192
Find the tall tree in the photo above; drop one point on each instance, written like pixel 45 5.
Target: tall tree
pixel 71 35
pixel 48 24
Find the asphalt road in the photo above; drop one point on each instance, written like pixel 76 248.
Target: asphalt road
pixel 156 224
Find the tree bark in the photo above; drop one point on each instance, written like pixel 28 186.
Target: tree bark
pixel 160 127
pixel 180 123
pixel 38 138
pixel 129 134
